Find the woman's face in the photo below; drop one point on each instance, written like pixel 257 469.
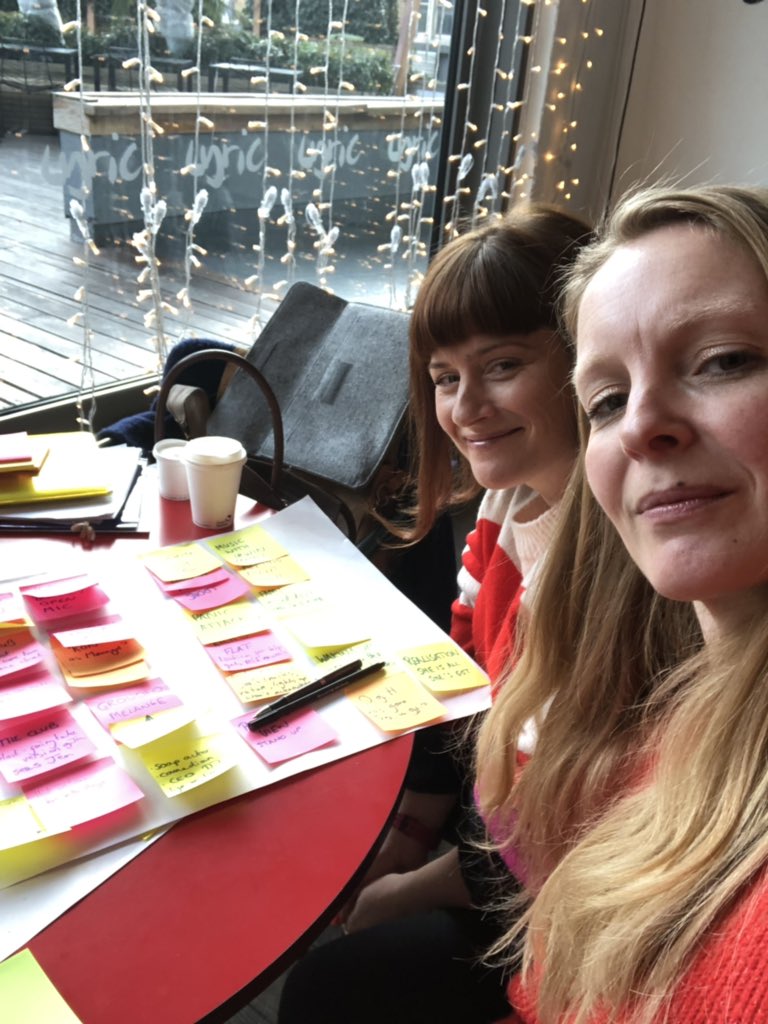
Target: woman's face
pixel 507 405
pixel 672 370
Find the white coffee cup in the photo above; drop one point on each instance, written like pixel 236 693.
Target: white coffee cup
pixel 214 467
pixel 171 470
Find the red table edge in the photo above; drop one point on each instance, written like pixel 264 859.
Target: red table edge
pixel 249 992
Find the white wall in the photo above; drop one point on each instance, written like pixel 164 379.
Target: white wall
pixel 698 105
pixel 697 97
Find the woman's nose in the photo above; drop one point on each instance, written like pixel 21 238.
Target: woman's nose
pixel 654 423
pixel 471 402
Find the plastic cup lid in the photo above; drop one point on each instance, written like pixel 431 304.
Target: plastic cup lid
pixel 169 443
pixel 212 451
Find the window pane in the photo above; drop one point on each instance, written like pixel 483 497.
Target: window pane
pixel 328 177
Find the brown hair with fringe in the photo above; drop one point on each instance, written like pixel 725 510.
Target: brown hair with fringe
pixel 499 279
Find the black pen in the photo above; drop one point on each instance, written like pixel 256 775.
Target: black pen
pixel 316 684
pixel 312 693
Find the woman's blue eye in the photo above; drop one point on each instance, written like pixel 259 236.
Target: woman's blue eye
pixel 606 406
pixel 727 362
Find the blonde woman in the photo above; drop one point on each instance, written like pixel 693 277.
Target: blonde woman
pixel 640 823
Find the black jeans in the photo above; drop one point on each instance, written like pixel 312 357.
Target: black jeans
pixel 416 970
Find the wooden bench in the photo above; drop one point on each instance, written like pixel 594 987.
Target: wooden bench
pixel 225 70
pixel 113 60
pixel 16 50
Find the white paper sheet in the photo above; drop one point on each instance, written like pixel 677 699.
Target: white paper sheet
pixel 345 577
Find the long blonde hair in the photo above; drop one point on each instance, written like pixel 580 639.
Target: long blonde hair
pixel 644 809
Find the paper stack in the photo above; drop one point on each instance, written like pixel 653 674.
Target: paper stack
pixel 54 481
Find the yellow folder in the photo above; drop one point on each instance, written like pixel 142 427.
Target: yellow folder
pixel 74 468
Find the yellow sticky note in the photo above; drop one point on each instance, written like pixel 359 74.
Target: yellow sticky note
pixel 367 652
pixel 138 732
pixel 247 547
pixel 19 824
pixel 184 760
pixel 278 572
pixel 293 599
pixel 180 562
pixel 394 702
pixel 228 622
pixel 27 994
pixel 101 680
pixel 444 668
pixel 328 630
pixel 257 684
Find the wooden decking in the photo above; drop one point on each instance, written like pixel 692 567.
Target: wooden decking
pixel 40 352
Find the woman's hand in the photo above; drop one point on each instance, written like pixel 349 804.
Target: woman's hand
pixel 437 884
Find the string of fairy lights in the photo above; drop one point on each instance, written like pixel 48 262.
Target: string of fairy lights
pixel 498 153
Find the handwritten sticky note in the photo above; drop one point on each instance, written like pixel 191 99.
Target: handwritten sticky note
pixel 89 659
pixel 180 562
pixel 218 575
pixel 83 793
pixel 292 736
pixel 36 690
pixel 137 732
pixel 213 595
pixel 12 615
pixel 260 684
pixel 19 824
pixel 133 702
pixel 394 702
pixel 249 652
pixel 444 668
pixel 278 572
pixel 367 652
pixel 228 622
pixel 328 630
pixel 27 993
pixel 293 600
pixel 41 743
pixel 247 547
pixel 19 651
pixel 107 631
pixel 183 761
pixel 136 672
pixel 56 599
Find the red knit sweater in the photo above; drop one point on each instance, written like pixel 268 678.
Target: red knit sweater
pixel 727 981
pixel 498 552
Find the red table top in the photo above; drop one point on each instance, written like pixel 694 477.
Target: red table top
pixel 212 912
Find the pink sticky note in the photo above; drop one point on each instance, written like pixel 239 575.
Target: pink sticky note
pixel 133 702
pixel 57 587
pixel 83 793
pixel 43 608
pixel 291 736
pixel 249 652
pixel 214 595
pixel 19 652
pixel 105 632
pixel 196 582
pixel 35 691
pixel 41 743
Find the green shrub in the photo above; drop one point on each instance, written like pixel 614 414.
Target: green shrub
pixel 374 21
pixel 33 30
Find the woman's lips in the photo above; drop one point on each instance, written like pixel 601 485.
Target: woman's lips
pixel 487 438
pixel 679 500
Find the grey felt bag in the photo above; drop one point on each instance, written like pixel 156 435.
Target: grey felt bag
pixel 333 377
